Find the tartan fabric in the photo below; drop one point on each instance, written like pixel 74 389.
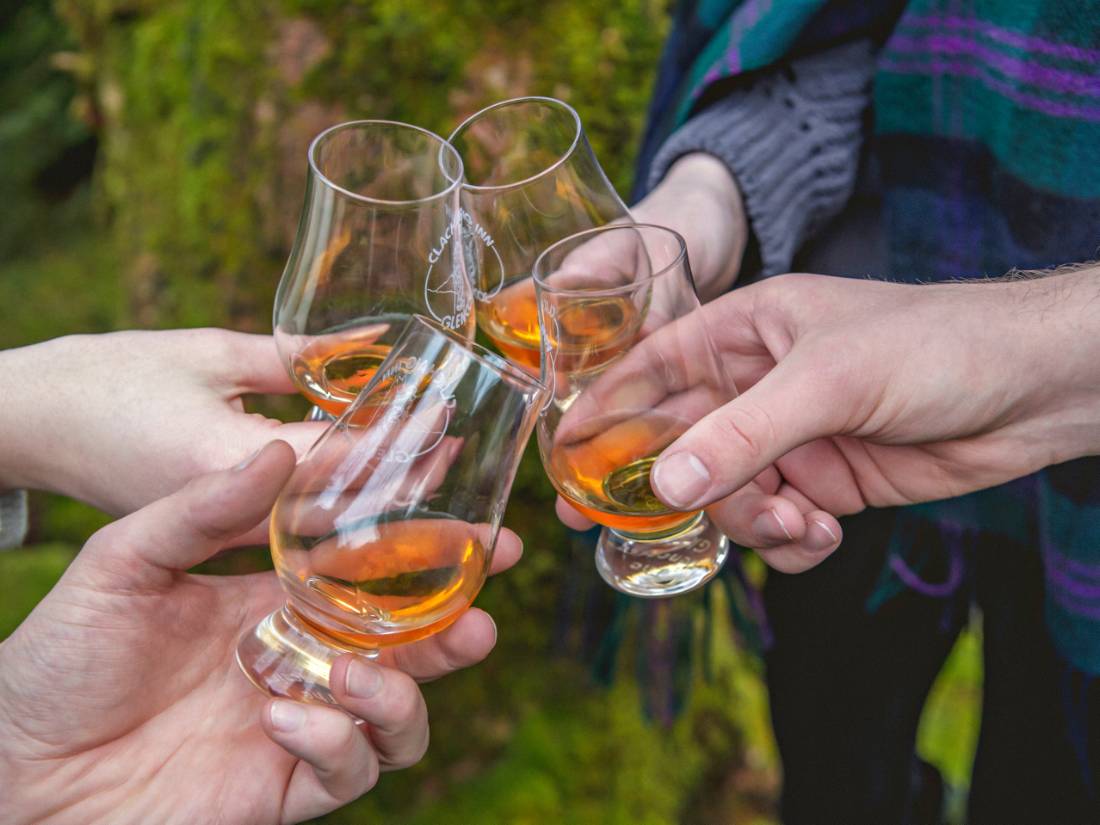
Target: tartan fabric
pixel 986 146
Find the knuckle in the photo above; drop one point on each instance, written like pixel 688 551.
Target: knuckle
pixel 348 739
pixel 413 753
pixel 421 748
pixel 198 512
pixel 267 424
pixel 405 704
pixel 748 427
pixel 451 659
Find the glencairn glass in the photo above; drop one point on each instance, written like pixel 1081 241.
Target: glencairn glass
pixel 379 240
pixel 531 179
pixel 384 532
pixel 630 366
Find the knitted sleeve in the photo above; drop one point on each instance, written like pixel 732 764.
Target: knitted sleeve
pixel 791 137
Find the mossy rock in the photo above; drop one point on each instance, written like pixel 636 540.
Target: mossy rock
pixel 207 109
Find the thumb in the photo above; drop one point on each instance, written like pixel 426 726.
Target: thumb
pixel 256 365
pixel 728 448
pixel 181 530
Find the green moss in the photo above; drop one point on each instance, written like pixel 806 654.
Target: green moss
pixel 70 286
pixel 436 61
pixel 199 101
pixel 27 574
pixel 35 127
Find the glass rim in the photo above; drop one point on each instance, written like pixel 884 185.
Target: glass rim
pixel 485 357
pixel 681 257
pixel 453 183
pixel 554 103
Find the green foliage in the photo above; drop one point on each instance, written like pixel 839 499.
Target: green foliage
pixel 182 166
pixel 27 574
pixel 948 732
pixel 208 107
pixel 434 62
pixel 66 287
pixel 35 128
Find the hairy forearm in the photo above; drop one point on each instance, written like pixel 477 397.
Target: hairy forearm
pixel 1050 325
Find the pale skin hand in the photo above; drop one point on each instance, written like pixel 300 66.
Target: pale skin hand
pixel 119 420
pixel 121 701
pixel 860 393
pixel 699 199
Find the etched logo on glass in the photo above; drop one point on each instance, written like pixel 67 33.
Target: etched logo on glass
pixel 447 298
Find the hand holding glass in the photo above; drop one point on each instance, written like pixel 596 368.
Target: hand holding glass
pixel 384 532
pixel 630 366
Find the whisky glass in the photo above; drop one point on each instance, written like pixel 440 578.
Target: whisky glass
pixel 531 179
pixel 379 240
pixel 630 366
pixel 384 532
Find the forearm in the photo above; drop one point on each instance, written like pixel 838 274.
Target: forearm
pixel 53 411
pixel 25 442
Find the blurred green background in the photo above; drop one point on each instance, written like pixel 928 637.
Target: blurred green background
pixel 152 165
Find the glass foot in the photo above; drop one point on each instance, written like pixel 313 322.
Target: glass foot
pixel 662 567
pixel 282 658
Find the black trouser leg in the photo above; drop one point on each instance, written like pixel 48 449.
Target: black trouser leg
pixel 1027 771
pixel 847 688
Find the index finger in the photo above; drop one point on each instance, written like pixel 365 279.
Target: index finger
pixel 676 357
pixel 253 364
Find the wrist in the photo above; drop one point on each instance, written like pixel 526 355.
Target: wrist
pixel 19 450
pixel 707 174
pixel 1055 323
pixel 36 451
pixel 699 198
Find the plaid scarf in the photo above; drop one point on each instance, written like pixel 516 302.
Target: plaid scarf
pixel 987 144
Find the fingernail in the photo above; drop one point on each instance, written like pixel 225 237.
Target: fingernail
pixel 362 680
pixel 493 622
pixel 287 717
pixel 769 526
pixel 248 460
pixel 819 536
pixel 681 479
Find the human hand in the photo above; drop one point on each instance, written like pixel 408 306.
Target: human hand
pixel 121 701
pixel 699 199
pixel 119 420
pixel 862 393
